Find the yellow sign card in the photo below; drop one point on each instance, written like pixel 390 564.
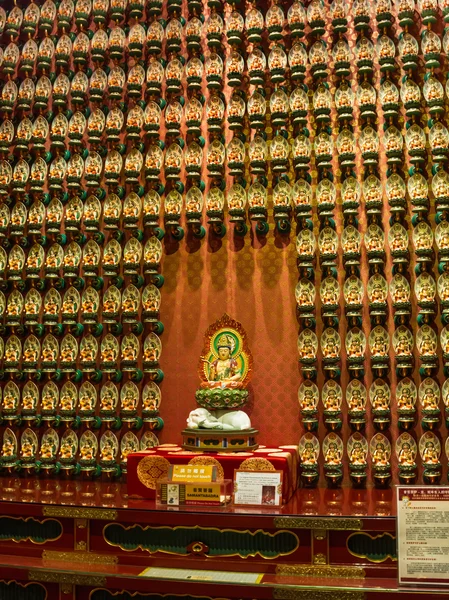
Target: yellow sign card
pixel 202 493
pixel 193 473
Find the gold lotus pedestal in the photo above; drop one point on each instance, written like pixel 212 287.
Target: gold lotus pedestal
pixel 220 441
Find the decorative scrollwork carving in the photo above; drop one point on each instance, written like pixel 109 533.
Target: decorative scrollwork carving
pixel 73 512
pixel 313 523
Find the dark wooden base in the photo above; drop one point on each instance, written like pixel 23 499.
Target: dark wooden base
pixel 210 440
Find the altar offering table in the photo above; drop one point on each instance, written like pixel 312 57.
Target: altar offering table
pixel 90 541
pixel 144 468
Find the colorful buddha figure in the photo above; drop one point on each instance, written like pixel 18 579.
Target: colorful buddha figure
pixel 430 454
pixel 28 445
pixel 405 399
pixel 380 399
pixel 309 455
pixel 224 368
pixel 30 395
pixel 49 397
pixel 380 455
pixel 127 446
pixel 308 400
pixel 355 346
pixel 149 404
pixel 428 345
pixel 86 399
pixel 307 345
pixel 332 455
pixel 332 401
pixel 403 341
pixel 67 449
pixel 108 397
pixel 329 291
pixel 357 455
pixel 330 344
pixel 109 349
pixel 356 400
pixel 107 453
pixel 406 456
pixel 429 397
pixel 129 397
pixel 48 448
pixel 10 398
pixel 8 448
pixel 87 449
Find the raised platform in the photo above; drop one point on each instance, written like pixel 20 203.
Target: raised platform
pixel 90 541
pixel 145 467
pixel 210 440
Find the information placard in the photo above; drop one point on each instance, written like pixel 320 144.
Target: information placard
pixel 192 473
pixel 260 488
pixel 423 535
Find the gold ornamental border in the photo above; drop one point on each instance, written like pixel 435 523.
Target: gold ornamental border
pixel 81 557
pixel 25 585
pixel 256 464
pixel 74 512
pixel 28 539
pixel 199 528
pixel 149 463
pixel 321 571
pixel 372 537
pixel 295 593
pixel 329 524
pixel 68 578
pixel 146 594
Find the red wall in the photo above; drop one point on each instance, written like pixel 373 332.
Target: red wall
pixel 253 281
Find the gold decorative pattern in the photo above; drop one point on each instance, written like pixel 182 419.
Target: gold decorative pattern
pixel 319 534
pixel 25 585
pixel 152 468
pixel 257 464
pixel 66 588
pixel 208 461
pixel 294 593
pixel 73 512
pixel 67 578
pixel 319 559
pixel 329 524
pixel 82 557
pixel 321 571
pixel 81 523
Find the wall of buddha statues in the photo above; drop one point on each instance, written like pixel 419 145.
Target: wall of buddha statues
pixel 285 162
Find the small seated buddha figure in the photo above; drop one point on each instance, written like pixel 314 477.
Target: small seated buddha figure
pixel 405 457
pixel 357 456
pixel 333 455
pixel 309 455
pixel 430 454
pixel 380 456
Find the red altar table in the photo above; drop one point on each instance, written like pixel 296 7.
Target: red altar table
pixel 146 467
pixel 87 540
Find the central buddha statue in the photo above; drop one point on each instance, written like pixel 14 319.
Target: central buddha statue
pixel 224 369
